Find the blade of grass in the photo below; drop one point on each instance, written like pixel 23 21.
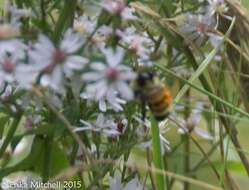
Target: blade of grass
pixel 157 156
pixel 211 95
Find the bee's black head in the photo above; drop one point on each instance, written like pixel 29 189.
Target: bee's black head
pixel 144 77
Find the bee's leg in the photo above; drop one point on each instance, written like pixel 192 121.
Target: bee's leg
pixel 143 113
pixel 143 106
pixel 143 110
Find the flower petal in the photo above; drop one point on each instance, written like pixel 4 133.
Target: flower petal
pixel 91 76
pixel 76 62
pixel 102 106
pixel 125 90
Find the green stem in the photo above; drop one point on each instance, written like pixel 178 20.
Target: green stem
pixel 74 153
pixel 166 168
pixel 186 139
pixel 186 159
pixel 47 157
pixel 43 11
pixel 66 18
pixel 148 156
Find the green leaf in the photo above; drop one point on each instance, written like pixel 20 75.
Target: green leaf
pixel 58 160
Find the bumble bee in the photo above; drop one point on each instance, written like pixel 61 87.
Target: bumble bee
pixel 153 93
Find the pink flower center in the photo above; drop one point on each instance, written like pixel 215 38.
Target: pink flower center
pixel 134 46
pixel 118 6
pixel 29 123
pixel 201 28
pixel 59 56
pixel 120 127
pixel 9 66
pixel 112 74
pixel 220 2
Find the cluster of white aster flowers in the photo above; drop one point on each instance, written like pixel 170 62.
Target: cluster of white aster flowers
pixel 43 59
pixel 51 65
pixel 200 27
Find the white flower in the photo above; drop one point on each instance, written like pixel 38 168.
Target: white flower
pixel 106 102
pixel 139 43
pixel 191 125
pixel 217 7
pixel 85 24
pixel 103 125
pixel 109 81
pixel 97 39
pixel 119 7
pixel 163 128
pixel 55 62
pixel 12 46
pixel 17 13
pixel 115 183
pixel 31 121
pixel 201 27
pixel 12 69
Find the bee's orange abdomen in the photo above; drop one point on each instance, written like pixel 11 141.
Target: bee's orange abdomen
pixel 159 99
pixel 168 97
